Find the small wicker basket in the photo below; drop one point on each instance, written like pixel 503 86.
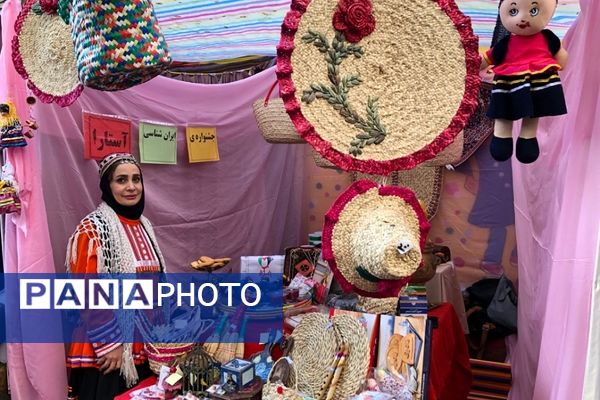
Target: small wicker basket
pixel 274 123
pixel 276 390
pixel 160 354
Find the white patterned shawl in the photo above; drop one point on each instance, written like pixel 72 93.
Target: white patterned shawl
pixel 114 255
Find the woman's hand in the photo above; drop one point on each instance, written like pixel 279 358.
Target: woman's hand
pixel 111 361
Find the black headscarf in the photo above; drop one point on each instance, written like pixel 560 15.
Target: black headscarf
pixel 129 212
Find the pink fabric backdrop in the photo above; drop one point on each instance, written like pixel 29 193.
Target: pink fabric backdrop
pixel 557 219
pixel 36 371
pixel 248 203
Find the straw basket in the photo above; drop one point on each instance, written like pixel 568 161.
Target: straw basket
pixel 118 44
pixel 274 123
pixel 278 390
pixel 321 161
pixel 450 154
pixel 160 354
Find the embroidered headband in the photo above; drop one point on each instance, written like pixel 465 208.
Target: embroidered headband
pixel 120 158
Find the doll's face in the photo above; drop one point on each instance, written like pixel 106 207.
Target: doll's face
pixel 526 17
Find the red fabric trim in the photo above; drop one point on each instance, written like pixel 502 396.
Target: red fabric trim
pixel 63 101
pixel 345 161
pixel 387 287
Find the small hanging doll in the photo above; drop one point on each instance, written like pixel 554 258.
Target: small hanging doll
pixel 11 130
pixel 9 190
pixel 526 81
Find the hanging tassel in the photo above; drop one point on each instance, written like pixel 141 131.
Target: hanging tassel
pixel 128 366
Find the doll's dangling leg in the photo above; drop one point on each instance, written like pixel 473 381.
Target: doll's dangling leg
pixel 501 147
pixel 527 150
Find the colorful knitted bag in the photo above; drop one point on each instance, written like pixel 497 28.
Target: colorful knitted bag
pixel 118 43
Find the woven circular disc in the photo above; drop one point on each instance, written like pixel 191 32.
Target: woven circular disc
pixel 425 182
pixel 44 55
pixel 373 237
pixel 417 81
pixel 314 349
pixel 350 331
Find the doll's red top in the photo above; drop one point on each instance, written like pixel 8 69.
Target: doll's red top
pixel 525 54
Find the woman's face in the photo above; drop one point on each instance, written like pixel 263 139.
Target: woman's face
pixel 126 184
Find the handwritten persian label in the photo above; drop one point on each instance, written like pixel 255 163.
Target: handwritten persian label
pixel 104 135
pixel 202 144
pixel 158 143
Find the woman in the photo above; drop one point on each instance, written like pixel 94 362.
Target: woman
pixel 115 238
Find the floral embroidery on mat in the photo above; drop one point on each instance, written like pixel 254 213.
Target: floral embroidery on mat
pixel 353 20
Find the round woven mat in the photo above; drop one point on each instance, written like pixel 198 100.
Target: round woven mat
pixel 361 233
pixel 480 126
pixel 43 54
pixel 416 80
pixel 425 182
pixel 386 305
pixel 354 335
pixel 314 349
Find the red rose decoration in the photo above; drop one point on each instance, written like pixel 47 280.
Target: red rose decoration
pixel 354 18
pixel 49 6
pixel 279 390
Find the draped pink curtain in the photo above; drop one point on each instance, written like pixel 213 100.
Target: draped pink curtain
pixel 557 220
pixel 248 203
pixel 36 371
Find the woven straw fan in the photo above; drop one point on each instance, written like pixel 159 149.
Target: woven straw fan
pixel 381 91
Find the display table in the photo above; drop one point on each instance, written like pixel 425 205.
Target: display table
pixel 449 368
pixel 145 383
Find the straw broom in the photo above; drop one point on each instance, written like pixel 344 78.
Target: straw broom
pixel 212 343
pixel 239 350
pixel 228 346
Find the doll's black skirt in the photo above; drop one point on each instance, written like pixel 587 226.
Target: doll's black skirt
pixel 529 95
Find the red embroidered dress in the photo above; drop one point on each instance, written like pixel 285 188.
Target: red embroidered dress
pixel 525 54
pixel 101 334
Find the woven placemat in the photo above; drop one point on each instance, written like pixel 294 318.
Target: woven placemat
pixel 372 238
pixel 314 348
pixel 479 127
pixel 350 331
pixel 395 96
pixel 369 305
pixel 425 182
pixel 43 54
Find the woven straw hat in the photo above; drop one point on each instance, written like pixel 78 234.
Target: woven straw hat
pixel 388 88
pixel 43 54
pixel 373 237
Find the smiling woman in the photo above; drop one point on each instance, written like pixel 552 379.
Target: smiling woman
pixel 115 238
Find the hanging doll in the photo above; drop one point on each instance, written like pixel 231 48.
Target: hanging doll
pixel 11 130
pixel 526 81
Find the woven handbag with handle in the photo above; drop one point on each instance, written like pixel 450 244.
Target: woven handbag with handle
pixel 274 389
pixel 118 43
pixel 273 121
